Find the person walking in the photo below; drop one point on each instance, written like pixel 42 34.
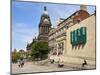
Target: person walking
pixel 22 63
pixel 19 63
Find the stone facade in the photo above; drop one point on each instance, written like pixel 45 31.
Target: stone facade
pixel 58 35
pixel 86 51
pixel 60 39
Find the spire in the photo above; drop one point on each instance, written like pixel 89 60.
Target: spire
pixel 35 37
pixel 45 10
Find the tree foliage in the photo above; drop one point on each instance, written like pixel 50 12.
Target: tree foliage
pixel 40 50
pixel 16 56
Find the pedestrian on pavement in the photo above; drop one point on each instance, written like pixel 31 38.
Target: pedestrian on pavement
pixel 22 63
pixel 19 63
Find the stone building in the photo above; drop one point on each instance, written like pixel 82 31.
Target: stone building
pixel 29 45
pixel 80 43
pixel 69 46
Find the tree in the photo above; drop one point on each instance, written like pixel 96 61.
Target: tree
pixel 15 56
pixel 40 50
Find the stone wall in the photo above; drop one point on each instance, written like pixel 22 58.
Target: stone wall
pixel 88 51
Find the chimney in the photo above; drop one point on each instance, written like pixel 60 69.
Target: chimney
pixel 83 7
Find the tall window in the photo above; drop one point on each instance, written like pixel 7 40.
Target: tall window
pixel 78 36
pixel 78 32
pixel 84 30
pixel 75 36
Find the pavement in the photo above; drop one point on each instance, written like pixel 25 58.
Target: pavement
pixel 44 66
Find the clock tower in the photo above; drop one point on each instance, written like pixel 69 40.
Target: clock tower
pixel 44 26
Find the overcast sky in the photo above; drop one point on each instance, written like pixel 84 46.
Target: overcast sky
pixel 26 18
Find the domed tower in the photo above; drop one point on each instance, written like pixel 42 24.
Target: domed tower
pixel 44 26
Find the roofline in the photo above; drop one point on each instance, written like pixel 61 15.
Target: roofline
pixel 69 16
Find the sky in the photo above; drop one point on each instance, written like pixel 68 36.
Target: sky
pixel 26 17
